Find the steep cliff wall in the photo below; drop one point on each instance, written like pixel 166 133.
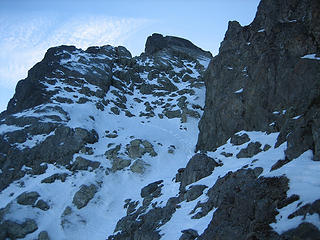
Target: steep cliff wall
pixel 266 77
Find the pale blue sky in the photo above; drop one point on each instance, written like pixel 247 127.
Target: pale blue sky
pixel 29 28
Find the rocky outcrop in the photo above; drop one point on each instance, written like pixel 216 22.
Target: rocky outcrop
pixel 158 42
pixel 264 78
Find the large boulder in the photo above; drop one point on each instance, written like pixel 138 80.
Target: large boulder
pixel 199 166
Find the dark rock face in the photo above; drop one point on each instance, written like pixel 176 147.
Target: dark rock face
pixel 246 205
pixel 13 230
pixel 305 231
pixel 58 148
pixel 199 166
pixel 83 164
pixel 260 80
pixel 43 236
pixel 31 92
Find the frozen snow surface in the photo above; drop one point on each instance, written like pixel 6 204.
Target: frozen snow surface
pixel 98 219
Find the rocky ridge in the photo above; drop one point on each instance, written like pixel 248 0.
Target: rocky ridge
pixel 104 145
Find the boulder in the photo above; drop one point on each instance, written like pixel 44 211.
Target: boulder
pixel 194 192
pixel 199 166
pixel 139 166
pixel 28 198
pixel 43 236
pixel 41 204
pixel 189 234
pixel 84 195
pixel 57 176
pixel 251 150
pixel 83 164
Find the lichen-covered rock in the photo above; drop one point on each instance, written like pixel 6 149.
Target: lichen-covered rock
pixel 57 176
pixel 13 230
pixel 83 164
pixel 113 152
pixel 152 189
pixel 134 149
pixel 28 198
pixel 115 110
pixel 43 236
pixel 137 148
pixel 303 232
pixel 194 192
pixel 84 195
pixel 120 163
pixel 172 113
pixel 41 204
pixel 139 166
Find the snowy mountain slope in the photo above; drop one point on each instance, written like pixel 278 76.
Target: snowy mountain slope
pixel 96 144
pixel 109 124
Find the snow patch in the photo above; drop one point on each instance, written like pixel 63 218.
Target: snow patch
pixel 239 91
pixel 311 56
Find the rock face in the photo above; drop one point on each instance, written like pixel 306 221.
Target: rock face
pixel 245 206
pixel 84 195
pixel 262 79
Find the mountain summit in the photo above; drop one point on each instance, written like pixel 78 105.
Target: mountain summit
pixel 97 144
pixel 158 42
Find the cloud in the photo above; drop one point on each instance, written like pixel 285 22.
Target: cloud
pixel 25 39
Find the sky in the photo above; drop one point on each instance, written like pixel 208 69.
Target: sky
pixel 29 27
